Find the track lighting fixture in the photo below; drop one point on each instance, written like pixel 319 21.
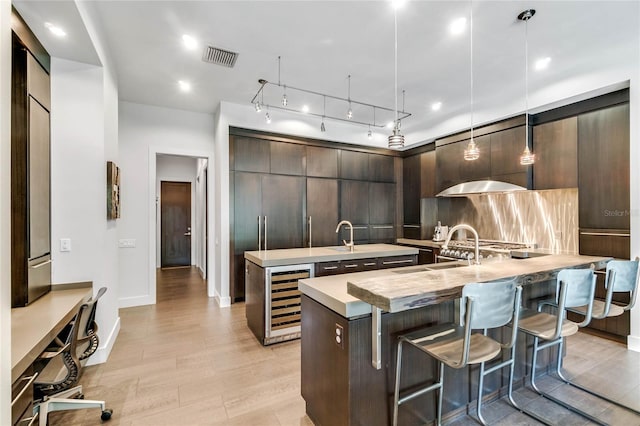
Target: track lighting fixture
pixel 337 103
pixel 471 152
pixel 396 140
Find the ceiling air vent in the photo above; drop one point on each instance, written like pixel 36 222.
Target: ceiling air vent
pixel 219 56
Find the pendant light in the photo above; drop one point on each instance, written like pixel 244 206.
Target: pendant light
pixel 284 92
pixel 527 158
pixel 471 152
pixel 396 140
pixel 350 112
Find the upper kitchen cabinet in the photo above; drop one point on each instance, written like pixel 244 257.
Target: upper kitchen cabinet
pixel 556 147
pixel 428 174
pixel 411 189
pixel 603 168
pixel 248 154
pixel 506 147
pixel 354 165
pixel 382 212
pixel 381 168
pixel 451 168
pixel 288 158
pixel 354 207
pixel 322 162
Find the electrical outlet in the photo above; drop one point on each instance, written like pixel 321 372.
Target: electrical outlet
pixel 127 243
pixel 65 244
pixel 339 336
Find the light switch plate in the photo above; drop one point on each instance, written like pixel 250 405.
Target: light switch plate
pixel 127 243
pixel 65 244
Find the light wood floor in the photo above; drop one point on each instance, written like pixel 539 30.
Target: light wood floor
pixel 185 361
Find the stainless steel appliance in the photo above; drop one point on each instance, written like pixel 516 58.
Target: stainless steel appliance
pixel 440 232
pixel 464 249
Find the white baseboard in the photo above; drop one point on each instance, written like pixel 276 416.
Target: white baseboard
pixel 129 302
pixel 223 302
pixel 102 354
pixel 633 343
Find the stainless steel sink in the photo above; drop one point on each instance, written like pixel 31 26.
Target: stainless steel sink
pixel 432 267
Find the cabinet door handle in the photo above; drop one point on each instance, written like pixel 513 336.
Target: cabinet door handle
pixel 309 231
pixel 411 226
pixel 259 233
pixel 265 233
pixel 30 380
pixel 383 227
pixel 370 264
pixel 329 268
pixel 605 234
pixel 350 266
pixel 40 265
pixel 427 250
pixel 360 227
pixel 395 262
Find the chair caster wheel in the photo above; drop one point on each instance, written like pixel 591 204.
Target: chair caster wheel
pixel 106 415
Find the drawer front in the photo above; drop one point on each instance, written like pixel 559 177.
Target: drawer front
pixel 397 261
pixel 327 268
pixel 22 396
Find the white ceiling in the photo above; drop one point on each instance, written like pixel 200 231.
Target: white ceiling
pixel 321 42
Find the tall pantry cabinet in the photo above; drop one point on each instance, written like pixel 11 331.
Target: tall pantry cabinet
pixel 290 192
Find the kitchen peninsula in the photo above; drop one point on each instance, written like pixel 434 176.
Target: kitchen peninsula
pixel 339 383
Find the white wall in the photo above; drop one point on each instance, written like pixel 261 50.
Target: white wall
pixel 146 131
pixel 5 212
pixel 176 169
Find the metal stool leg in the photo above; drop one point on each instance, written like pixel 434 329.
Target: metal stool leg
pixel 439 389
pixel 396 394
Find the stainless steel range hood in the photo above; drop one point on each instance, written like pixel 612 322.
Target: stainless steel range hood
pixel 479 187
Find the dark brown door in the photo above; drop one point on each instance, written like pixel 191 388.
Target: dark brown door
pixel 175 228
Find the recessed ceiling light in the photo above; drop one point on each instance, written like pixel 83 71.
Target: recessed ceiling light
pixel 458 26
pixel 542 63
pixel 55 30
pixel 185 86
pixel 397 4
pixel 189 42
pixel 436 106
pixel 305 108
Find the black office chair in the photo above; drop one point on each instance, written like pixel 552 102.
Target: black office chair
pixel 55 388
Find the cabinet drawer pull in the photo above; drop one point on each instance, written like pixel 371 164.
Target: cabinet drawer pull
pixel 395 262
pixel 605 234
pixel 370 264
pixel 350 266
pixel 30 380
pixel 427 250
pixel 329 268
pixel 411 226
pixel 360 227
pixel 383 227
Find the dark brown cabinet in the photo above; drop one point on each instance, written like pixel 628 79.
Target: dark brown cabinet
pixel 322 162
pixel 506 148
pixel 382 212
pixel 30 168
pixel 603 168
pixel 248 154
pixel 411 189
pixel 556 147
pixel 354 165
pixel 288 158
pixel 322 212
pixel 381 168
pixel 428 174
pixel 268 213
pixel 354 207
pixel 451 167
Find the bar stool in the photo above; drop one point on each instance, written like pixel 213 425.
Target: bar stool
pixel 483 306
pixel 621 277
pixel 575 288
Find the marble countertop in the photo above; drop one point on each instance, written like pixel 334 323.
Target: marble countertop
pixel 420 243
pixel 395 292
pixel 266 258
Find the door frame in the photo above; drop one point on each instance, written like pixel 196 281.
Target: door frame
pixel 154 151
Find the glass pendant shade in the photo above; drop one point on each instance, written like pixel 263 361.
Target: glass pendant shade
pixel 527 158
pixel 471 152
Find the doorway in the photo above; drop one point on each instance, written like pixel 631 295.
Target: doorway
pixel 175 224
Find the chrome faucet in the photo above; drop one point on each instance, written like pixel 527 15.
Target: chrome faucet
pixel 475 236
pixel 350 243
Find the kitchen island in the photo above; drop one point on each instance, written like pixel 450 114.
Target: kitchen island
pixel 339 383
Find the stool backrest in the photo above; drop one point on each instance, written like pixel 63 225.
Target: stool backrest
pixel 576 287
pixel 493 303
pixel 622 276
